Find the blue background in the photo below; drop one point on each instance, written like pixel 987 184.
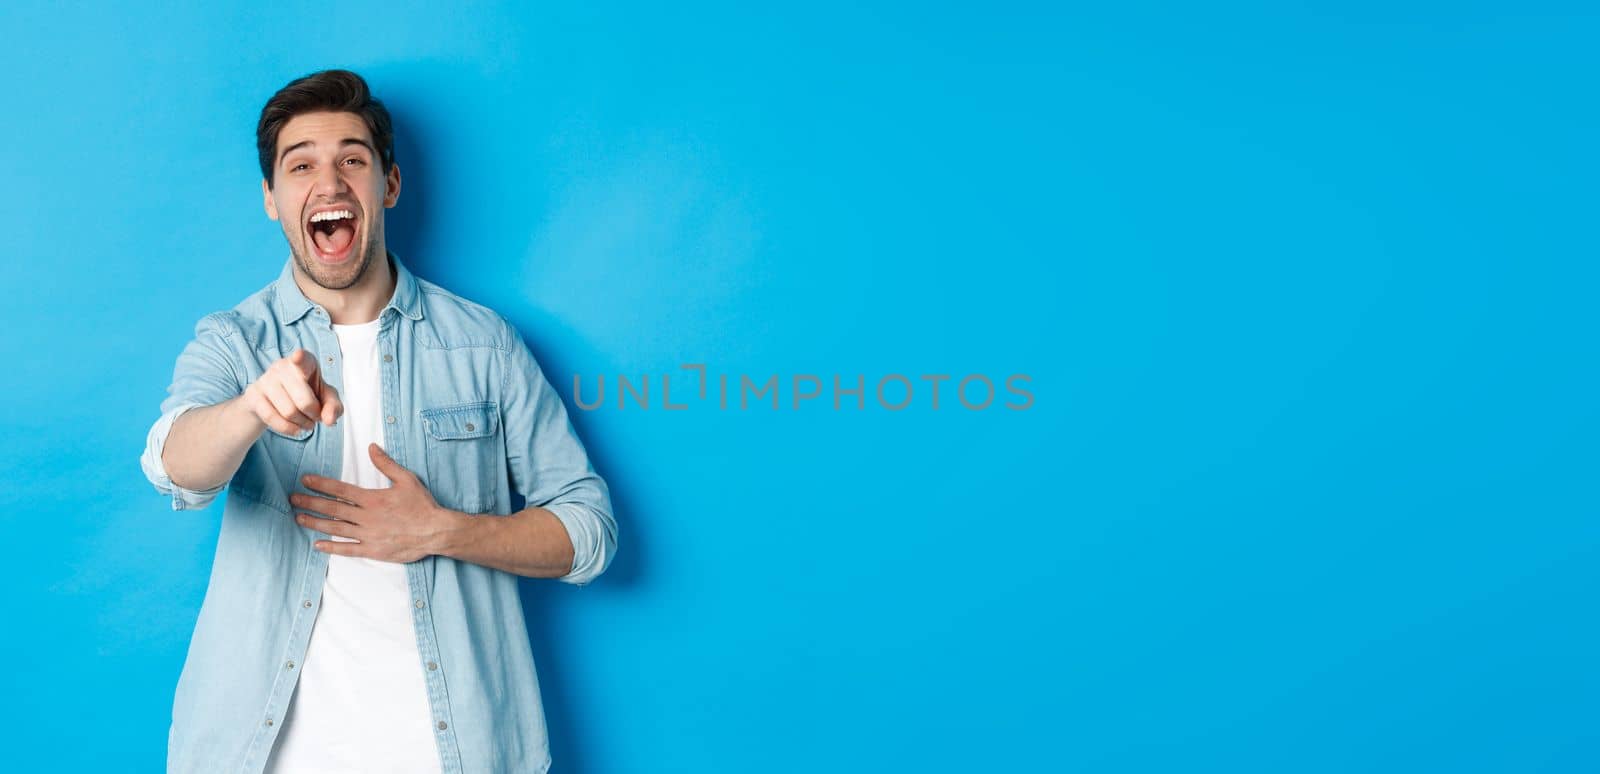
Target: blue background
pixel 1306 293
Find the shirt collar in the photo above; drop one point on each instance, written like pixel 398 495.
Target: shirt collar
pixel 293 304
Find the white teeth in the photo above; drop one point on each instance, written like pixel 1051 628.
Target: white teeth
pixel 332 215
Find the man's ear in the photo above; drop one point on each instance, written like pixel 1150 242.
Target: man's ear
pixel 391 181
pixel 266 200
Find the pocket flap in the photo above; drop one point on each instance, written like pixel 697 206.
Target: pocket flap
pixel 299 436
pixel 467 420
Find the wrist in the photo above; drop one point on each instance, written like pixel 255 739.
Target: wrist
pixel 450 528
pixel 243 414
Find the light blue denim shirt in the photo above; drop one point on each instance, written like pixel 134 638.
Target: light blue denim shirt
pixel 467 408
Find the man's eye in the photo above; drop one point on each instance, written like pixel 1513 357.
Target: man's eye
pixel 356 160
pixel 296 168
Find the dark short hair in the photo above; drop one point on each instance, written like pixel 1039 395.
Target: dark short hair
pixel 339 91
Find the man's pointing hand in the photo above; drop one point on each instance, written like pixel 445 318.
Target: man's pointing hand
pixel 290 396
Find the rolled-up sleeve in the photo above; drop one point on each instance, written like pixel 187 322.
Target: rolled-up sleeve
pixel 204 376
pixel 549 466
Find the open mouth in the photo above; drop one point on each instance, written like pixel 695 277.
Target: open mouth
pixel 332 233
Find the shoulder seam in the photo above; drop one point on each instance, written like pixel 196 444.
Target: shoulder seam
pixel 222 321
pixel 226 324
pixel 507 350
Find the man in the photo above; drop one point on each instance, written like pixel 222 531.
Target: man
pixel 370 426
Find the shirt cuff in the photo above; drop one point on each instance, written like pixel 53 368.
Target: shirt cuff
pixel 182 499
pixel 588 555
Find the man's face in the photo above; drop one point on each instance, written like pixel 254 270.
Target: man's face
pixel 329 193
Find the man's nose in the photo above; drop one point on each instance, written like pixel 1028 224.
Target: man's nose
pixel 328 180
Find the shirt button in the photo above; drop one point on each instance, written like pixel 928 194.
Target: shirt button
pixel 388 358
pixel 269 721
pixel 389 419
pixel 432 666
pixel 289 665
pixel 306 603
pixel 330 358
pixel 419 604
pixel 470 428
pixel 442 725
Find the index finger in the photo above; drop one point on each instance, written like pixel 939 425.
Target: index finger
pixel 304 396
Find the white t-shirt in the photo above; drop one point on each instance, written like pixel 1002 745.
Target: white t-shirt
pixel 361 704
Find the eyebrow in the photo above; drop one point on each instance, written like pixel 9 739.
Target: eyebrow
pixel 342 143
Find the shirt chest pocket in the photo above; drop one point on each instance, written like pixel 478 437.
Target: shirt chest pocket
pixel 271 468
pixel 465 454
pixel 288 451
